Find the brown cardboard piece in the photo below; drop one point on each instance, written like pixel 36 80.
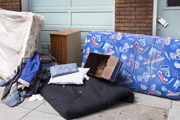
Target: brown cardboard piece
pixel 103 66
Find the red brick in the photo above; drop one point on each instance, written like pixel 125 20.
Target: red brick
pixel 141 24
pixel 135 12
pixel 129 24
pixel 140 32
pixel 130 1
pixel 149 16
pixel 116 13
pixel 8 7
pixel 130 17
pixel 147 4
pixel 141 17
pixel 124 28
pixel 146 21
pixel 150 1
pixel 130 9
pixel 3 7
pixel 149 33
pixel 146 28
pixel 116 21
pixel 120 1
pixel 135 28
pixel 124 5
pixel 8 0
pixel 2 1
pixel 119 17
pixel 15 0
pixel 149 8
pixel 117 28
pixel 119 9
pixel 16 7
pixel 116 5
pixel 146 13
pixel 141 9
pixel 135 21
pixel 124 21
pixel 124 13
pixel 128 31
pixel 119 24
pixel 5 3
pixel 140 1
pixel 149 25
pixel 136 4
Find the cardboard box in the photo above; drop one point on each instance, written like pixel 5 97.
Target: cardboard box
pixel 103 66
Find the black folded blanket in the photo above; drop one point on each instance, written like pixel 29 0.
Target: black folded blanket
pixel 77 100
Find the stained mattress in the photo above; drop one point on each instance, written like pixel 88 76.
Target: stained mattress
pixel 19 38
pixel 151 64
pixel 77 100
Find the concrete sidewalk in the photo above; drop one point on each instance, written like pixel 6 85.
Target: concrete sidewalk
pixel 145 107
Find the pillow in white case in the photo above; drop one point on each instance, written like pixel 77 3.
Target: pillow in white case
pixel 73 78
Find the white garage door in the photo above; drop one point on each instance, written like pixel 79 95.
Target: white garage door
pixel 84 15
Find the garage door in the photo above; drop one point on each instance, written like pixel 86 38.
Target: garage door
pixel 84 15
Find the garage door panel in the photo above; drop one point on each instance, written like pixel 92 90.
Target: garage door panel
pixel 92 19
pixel 84 15
pixel 91 3
pixel 49 3
pixel 45 37
pixel 55 18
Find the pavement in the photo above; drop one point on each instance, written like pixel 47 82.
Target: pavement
pixel 145 107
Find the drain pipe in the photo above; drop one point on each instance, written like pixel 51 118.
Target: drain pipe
pixel 24 5
pixel 154 23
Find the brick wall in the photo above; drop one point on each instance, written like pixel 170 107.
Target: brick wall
pixel 134 16
pixel 14 5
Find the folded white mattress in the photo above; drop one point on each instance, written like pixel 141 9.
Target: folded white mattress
pixel 19 38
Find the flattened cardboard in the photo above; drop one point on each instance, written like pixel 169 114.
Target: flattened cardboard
pixel 103 66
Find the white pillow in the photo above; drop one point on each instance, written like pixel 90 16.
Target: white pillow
pixel 73 78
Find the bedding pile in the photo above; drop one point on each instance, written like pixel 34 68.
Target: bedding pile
pixel 66 87
pixel 19 38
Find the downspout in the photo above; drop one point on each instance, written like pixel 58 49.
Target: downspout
pixel 24 5
pixel 154 23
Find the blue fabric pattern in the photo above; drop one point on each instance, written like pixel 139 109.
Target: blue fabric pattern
pixel 151 64
pixel 29 71
pixel 63 69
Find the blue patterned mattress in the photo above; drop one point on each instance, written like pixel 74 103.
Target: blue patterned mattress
pixel 151 64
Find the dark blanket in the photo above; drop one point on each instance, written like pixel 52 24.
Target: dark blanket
pixel 78 100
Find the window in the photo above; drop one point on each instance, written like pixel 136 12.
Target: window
pixel 173 3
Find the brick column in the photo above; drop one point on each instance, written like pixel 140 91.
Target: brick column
pixel 134 16
pixel 14 5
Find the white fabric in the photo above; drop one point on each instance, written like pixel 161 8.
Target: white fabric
pixel 36 97
pixel 73 78
pixel 16 39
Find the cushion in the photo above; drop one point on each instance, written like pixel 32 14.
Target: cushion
pixel 78 78
pixel 77 100
pixel 63 69
pixel 45 59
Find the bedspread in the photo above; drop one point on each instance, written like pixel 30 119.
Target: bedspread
pixel 151 64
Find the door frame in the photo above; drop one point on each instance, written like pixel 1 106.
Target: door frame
pixel 154 21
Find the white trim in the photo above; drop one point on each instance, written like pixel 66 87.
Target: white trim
pixel 24 5
pixel 154 23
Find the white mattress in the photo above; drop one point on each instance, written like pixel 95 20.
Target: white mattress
pixel 19 38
